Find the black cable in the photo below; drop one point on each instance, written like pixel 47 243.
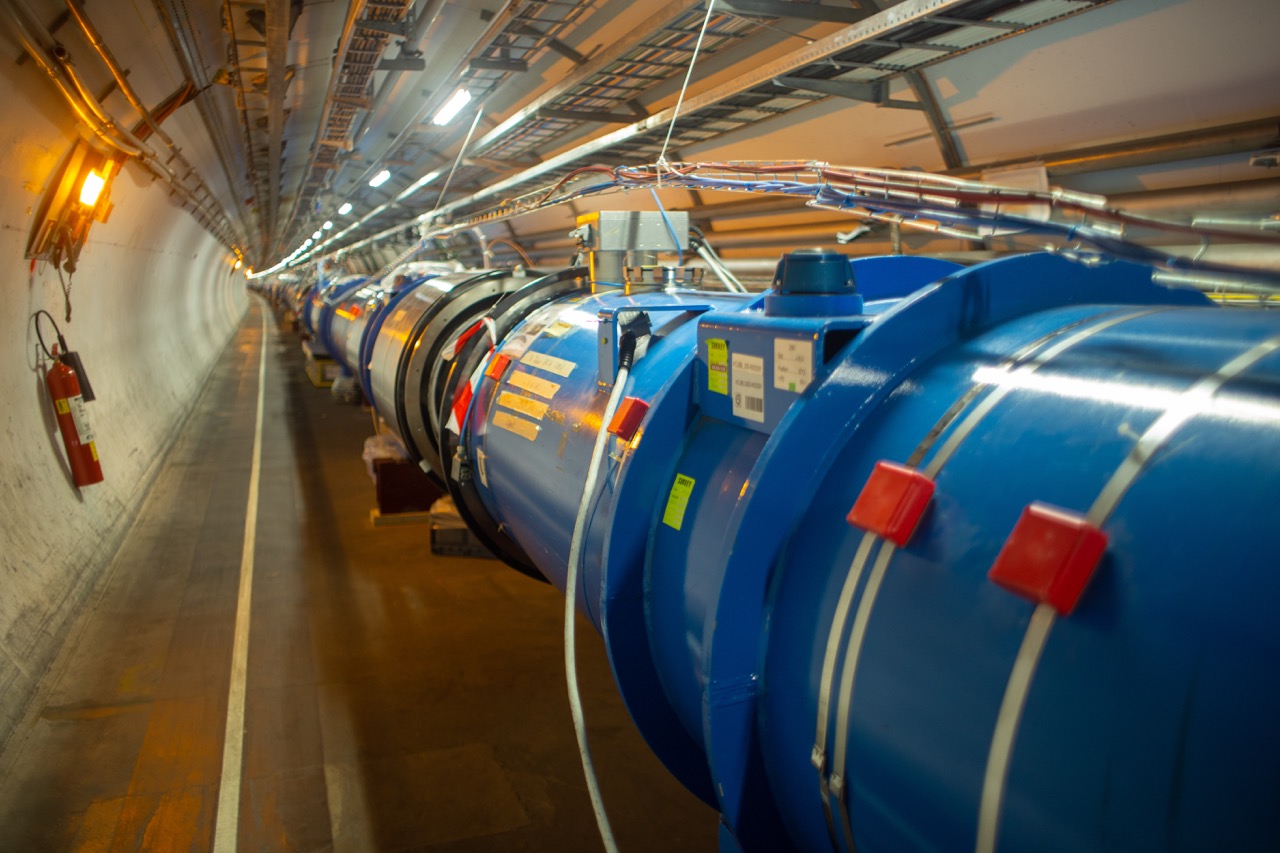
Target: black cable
pixel 62 342
pixel 66 290
pixel 626 351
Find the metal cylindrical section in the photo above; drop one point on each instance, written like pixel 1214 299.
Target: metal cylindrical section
pixel 326 303
pixel 987 562
pixel 959 713
pixel 411 340
pixel 536 419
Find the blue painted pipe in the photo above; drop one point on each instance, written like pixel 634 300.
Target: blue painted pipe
pixel 915 678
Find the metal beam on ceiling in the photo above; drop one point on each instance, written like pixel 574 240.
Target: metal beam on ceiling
pixel 942 130
pixel 875 92
pixel 352 72
pixel 588 115
pixel 753 96
pixel 493 43
pixel 277 20
pixel 817 51
pixel 802 11
pixel 598 63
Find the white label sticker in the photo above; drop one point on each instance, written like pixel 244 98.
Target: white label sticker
pixel 550 363
pixel 792 364
pixel 533 384
pixel 521 427
pixel 81 420
pixel 536 409
pixel 746 378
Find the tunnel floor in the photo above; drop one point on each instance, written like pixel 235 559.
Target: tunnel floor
pixel 395 701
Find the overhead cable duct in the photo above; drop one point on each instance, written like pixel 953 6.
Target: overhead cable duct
pixel 87 116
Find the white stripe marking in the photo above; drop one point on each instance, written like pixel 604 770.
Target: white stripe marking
pixel 227 829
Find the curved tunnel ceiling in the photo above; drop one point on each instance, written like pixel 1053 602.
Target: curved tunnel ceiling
pixel 295 106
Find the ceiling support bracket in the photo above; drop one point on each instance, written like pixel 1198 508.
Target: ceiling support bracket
pixel 805 11
pixel 875 92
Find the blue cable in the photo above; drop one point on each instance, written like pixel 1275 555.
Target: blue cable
pixel 671 229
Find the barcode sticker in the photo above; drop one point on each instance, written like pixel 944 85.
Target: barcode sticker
pixel 747 379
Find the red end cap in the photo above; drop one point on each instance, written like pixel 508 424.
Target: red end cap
pixel 892 502
pixel 497 367
pixel 626 420
pixel 1050 556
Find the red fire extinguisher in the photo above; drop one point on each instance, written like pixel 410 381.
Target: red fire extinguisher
pixel 64 388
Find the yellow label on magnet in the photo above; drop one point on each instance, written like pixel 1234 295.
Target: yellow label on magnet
pixel 549 363
pixel 717 366
pixel 521 427
pixel 557 329
pixel 62 406
pixel 677 501
pixel 535 409
pixel 533 384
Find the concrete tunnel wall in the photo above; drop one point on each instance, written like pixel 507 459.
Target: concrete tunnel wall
pixel 155 300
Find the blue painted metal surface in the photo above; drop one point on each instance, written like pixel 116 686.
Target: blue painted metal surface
pixel 324 304
pixel 368 306
pixel 825 689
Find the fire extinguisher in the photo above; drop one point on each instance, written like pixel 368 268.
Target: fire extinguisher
pixel 65 389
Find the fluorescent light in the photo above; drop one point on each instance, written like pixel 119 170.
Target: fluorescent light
pixel 451 108
pixel 91 189
pixel 327 224
pixel 418 184
pixel 345 209
pixel 380 178
pixel 316 236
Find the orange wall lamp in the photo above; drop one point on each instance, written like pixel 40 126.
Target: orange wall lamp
pixel 76 196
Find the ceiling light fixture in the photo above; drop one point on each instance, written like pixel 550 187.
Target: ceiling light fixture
pixel 418 184
pixel 380 178
pixel 328 223
pixel 316 235
pixel 451 108
pixel 345 209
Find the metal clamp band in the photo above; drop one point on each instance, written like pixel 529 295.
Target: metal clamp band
pixel 1028 359
pixel 1194 401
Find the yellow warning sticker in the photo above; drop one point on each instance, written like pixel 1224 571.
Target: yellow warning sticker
pixel 717 366
pixel 93 448
pixel 677 501
pixel 533 384
pixel 535 409
pixel 521 427
pixel 62 406
pixel 549 363
pixel 557 329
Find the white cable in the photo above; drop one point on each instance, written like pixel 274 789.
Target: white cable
pixel 731 281
pixel 457 160
pixel 662 157
pixel 570 610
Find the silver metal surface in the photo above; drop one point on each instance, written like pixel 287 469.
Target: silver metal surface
pixel 395 337
pixel 451 319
